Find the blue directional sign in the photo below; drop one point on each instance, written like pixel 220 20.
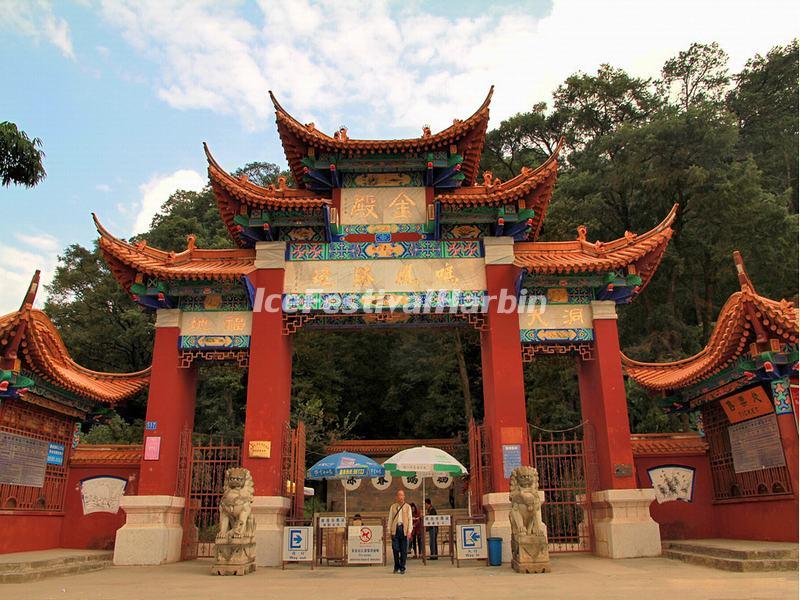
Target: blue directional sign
pixel 297 540
pixel 471 537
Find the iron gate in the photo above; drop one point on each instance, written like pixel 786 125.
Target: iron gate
pixel 563 460
pixel 205 478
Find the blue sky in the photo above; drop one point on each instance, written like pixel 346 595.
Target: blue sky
pixel 123 93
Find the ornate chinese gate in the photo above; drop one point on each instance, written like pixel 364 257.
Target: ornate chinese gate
pixel 293 469
pixel 480 468
pixel 203 483
pixel 564 462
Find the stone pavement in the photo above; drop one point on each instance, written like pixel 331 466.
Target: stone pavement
pixel 573 576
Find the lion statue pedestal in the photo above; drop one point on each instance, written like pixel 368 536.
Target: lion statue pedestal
pixel 529 552
pixel 235 547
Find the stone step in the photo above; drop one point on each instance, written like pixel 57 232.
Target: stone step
pixel 766 552
pixel 22 570
pixel 731 564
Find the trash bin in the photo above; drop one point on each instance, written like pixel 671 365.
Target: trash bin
pixel 495 551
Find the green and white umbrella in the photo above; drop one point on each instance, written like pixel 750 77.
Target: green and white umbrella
pixel 423 462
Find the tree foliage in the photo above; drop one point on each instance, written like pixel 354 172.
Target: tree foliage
pixel 723 146
pixel 20 157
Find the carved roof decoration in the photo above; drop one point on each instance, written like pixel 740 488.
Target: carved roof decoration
pixel 126 260
pixel 30 339
pixel 746 317
pixel 531 189
pixel 468 135
pixel 643 252
pixel 232 193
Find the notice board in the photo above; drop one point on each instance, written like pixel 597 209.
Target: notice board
pixel 23 460
pixel 756 444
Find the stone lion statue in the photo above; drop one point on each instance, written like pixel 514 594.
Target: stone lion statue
pixel 526 505
pixel 235 513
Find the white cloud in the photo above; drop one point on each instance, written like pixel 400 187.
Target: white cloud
pixel 397 66
pixel 36 20
pixel 103 187
pixel 41 241
pixel 158 189
pixel 18 263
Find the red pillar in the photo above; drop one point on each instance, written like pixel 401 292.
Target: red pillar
pixel 501 359
pixel 604 404
pixel 787 426
pixel 269 381
pixel 170 405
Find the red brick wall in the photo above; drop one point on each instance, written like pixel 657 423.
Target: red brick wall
pixel 95 530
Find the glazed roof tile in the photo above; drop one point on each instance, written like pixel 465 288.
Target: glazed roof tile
pixel 469 135
pixel 126 260
pixel 744 318
pixel 580 256
pixel 389 447
pixel 233 192
pixel 668 444
pixel 30 335
pixel 111 454
pixel 532 189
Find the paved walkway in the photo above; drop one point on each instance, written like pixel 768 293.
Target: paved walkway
pixel 573 576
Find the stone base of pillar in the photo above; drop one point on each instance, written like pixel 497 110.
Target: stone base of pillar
pixel 498 506
pixel 152 532
pixel 270 513
pixel 623 527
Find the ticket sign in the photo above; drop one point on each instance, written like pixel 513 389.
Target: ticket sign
pixel 471 541
pixel 437 521
pixel 328 522
pixel 365 544
pixel 747 404
pixel 298 543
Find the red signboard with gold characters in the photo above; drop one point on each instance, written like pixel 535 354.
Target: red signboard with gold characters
pixel 747 404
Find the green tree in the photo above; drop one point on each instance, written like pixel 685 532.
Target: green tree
pixel 764 101
pixel 20 157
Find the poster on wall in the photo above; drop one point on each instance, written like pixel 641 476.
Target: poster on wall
pixel 512 458
pixel 756 444
pixel 383 482
pixel 672 482
pixel 152 447
pixel 351 484
pixel 102 494
pixel 411 482
pixel 23 460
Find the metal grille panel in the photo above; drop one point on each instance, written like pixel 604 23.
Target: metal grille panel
pixel 560 459
pixel 32 421
pixel 728 484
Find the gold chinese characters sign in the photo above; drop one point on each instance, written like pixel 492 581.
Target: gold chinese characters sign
pixel 556 323
pixel 382 205
pixel 747 404
pixel 224 323
pixel 401 275
pixel 259 449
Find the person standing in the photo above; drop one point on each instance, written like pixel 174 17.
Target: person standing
pixel 400 528
pixel 433 532
pixel 416 531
